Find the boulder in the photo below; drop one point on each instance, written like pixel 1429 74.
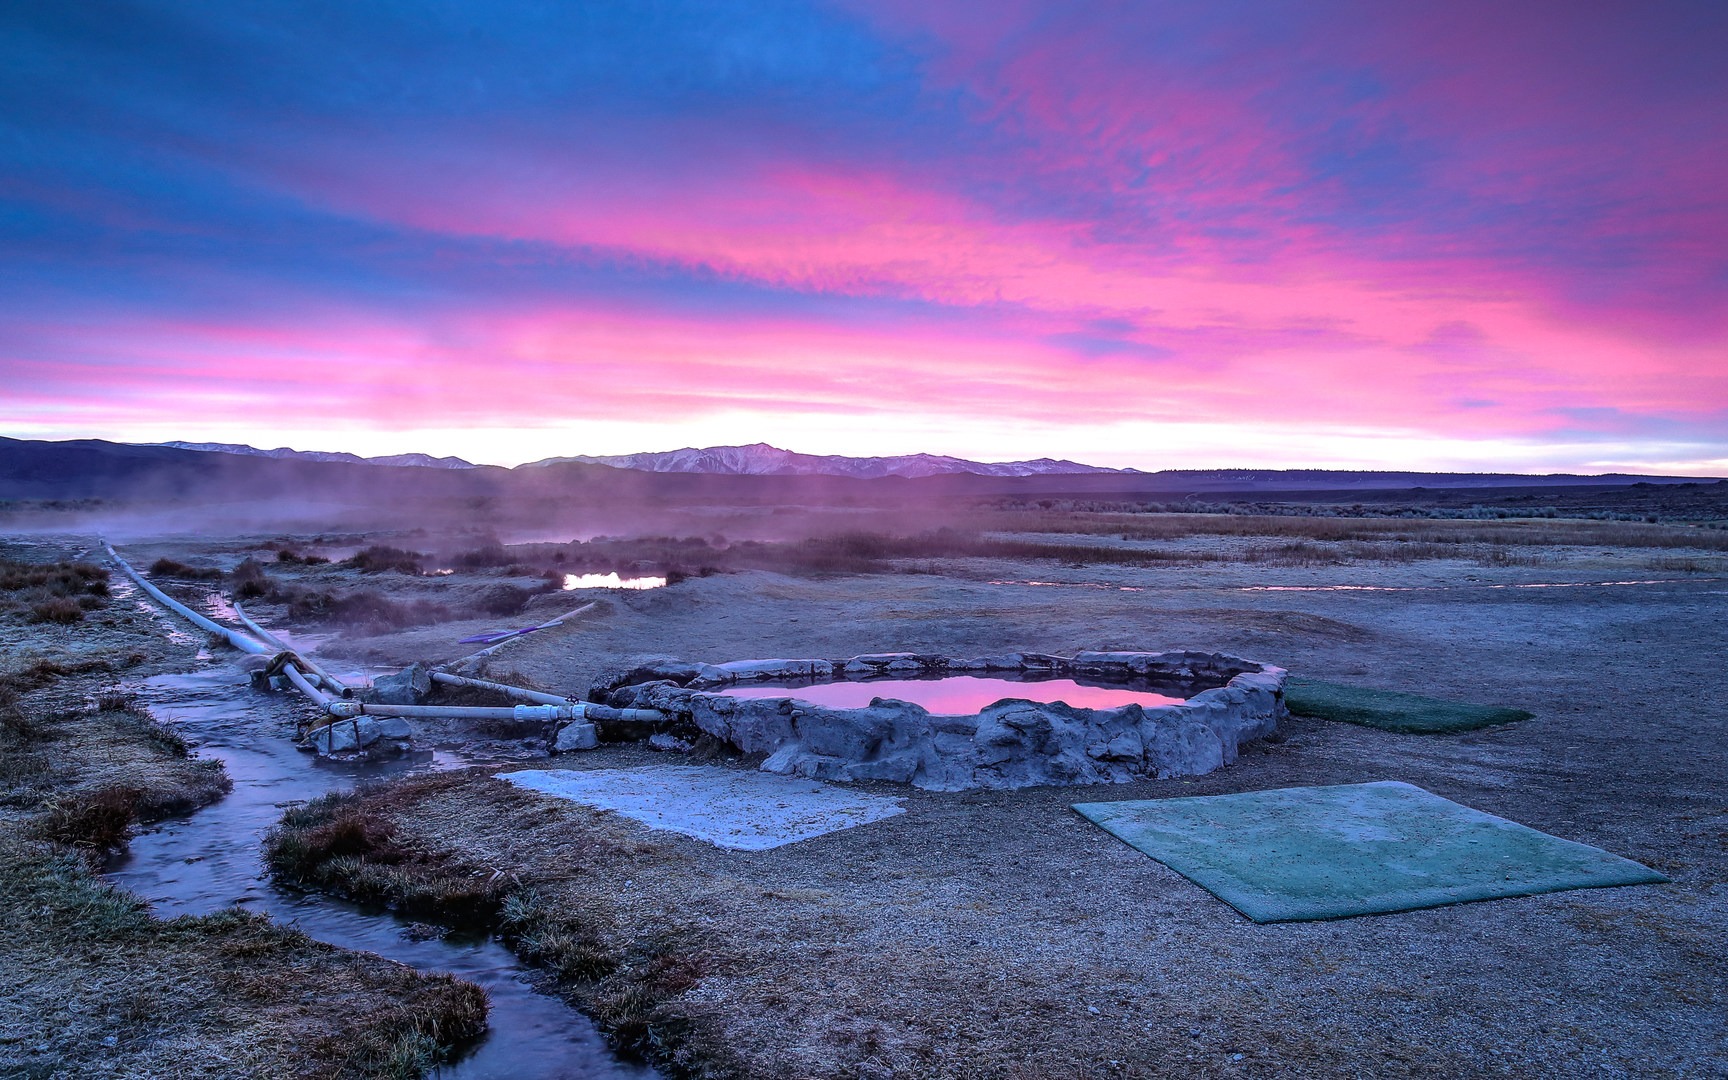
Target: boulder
pixel 576 735
pixel 670 743
pixel 373 733
pixel 407 687
pixel 339 737
pixel 766 669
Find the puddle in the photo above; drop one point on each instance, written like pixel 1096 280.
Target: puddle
pixel 956 695
pixel 212 859
pixel 1074 585
pixel 611 581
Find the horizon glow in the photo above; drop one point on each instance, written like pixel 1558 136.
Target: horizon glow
pixel 1448 236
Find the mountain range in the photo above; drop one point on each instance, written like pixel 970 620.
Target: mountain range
pixel 757 459
pixel 283 453
pixel 94 469
pixel 764 460
pixel 761 459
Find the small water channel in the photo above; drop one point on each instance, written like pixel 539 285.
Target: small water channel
pixel 212 859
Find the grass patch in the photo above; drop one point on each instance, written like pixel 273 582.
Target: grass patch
pixel 57 592
pixel 166 567
pixel 347 843
pixel 99 820
pixel 118 992
pixel 1392 710
pixel 626 976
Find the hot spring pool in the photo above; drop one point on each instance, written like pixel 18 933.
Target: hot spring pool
pixel 957 695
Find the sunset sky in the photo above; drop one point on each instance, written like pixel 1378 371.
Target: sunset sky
pixel 1461 234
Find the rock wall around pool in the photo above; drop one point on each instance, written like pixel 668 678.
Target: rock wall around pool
pixel 1010 744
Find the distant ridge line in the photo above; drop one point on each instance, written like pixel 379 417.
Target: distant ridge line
pixel 763 459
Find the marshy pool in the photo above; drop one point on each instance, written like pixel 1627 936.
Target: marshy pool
pixel 960 695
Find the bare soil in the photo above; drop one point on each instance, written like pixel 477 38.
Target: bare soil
pixel 990 934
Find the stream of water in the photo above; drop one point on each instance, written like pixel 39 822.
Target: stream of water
pixel 212 859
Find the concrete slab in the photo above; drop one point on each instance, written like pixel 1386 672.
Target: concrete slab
pixel 729 808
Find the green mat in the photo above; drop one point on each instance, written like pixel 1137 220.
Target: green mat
pixel 1391 710
pixel 1294 854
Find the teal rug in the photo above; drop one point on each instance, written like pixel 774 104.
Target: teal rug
pixel 1392 710
pixel 1294 854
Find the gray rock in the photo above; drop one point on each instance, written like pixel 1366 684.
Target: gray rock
pixel 373 728
pixel 407 687
pixel 371 733
pixel 772 669
pixel 661 740
pixel 339 737
pixel 576 735
pixel 1011 744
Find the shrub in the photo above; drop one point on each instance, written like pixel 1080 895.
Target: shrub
pixel 51 592
pixel 114 701
pixel 379 558
pixel 487 555
pixel 293 558
pixel 166 567
pixel 60 609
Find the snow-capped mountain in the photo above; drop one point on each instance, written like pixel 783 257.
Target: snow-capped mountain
pixel 283 452
pixel 760 459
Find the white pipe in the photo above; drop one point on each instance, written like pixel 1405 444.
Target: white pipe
pixel 344 710
pixel 547 625
pixel 257 631
pixel 324 677
pixel 503 688
pixel 300 683
pixel 235 638
pixel 557 709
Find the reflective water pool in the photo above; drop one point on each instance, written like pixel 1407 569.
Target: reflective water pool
pixel 959 695
pixel 611 581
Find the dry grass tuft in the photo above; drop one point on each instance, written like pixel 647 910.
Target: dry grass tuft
pixel 380 558
pixel 59 592
pixel 347 843
pixel 166 567
pixel 99 820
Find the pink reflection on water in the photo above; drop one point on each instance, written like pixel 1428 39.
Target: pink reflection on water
pixel 958 695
